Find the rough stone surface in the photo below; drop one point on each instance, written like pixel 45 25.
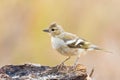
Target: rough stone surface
pixel 38 72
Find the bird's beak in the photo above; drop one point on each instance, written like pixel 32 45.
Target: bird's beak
pixel 46 30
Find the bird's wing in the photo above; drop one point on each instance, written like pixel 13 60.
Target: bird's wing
pixel 78 43
pixel 67 36
pixel 73 41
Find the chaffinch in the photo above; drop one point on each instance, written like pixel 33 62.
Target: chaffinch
pixel 68 44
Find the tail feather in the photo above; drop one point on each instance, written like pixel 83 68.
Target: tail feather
pixel 94 47
pixel 103 50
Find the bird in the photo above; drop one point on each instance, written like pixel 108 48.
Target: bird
pixel 69 44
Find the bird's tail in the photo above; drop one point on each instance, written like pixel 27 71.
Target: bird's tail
pixel 94 47
pixel 103 50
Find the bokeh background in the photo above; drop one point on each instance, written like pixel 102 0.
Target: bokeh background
pixel 22 40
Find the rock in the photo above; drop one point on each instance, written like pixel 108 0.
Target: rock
pixel 38 72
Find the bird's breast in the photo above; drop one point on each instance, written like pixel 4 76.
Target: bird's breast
pixel 57 42
pixel 61 47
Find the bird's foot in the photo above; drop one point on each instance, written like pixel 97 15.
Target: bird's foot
pixel 60 66
pixel 74 66
pixel 78 67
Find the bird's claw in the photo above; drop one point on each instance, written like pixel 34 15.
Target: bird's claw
pixel 60 66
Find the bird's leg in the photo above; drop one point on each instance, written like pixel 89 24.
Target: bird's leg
pixel 76 61
pixel 62 63
pixel 65 60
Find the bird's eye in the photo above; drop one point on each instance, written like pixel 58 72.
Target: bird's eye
pixel 52 29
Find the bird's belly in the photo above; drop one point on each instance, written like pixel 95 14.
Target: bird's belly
pixel 67 51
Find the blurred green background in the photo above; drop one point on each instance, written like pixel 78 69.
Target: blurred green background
pixel 22 40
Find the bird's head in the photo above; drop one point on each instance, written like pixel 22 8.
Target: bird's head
pixel 54 29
